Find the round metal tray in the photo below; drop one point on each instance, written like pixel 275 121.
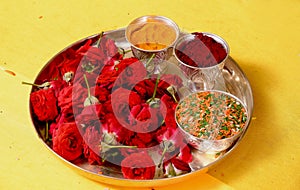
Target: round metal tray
pixel 236 83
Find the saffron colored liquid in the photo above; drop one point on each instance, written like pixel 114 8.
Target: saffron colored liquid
pixel 152 35
pixel 151 46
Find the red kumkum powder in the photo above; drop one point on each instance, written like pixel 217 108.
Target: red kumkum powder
pixel 202 51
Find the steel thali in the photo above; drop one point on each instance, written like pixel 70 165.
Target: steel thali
pixel 236 83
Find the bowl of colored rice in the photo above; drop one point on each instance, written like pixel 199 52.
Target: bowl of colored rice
pixel 211 120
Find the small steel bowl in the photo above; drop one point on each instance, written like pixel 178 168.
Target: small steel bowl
pixel 203 77
pixel 207 145
pixel 139 24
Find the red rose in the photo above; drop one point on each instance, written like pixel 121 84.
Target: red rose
pixel 71 99
pixel 168 106
pixel 69 66
pixel 138 166
pixel 94 55
pixel 146 138
pixel 57 86
pixel 107 105
pixel 65 99
pixel 43 103
pixel 173 135
pixel 61 118
pixel 134 99
pixel 135 141
pixel 180 165
pixel 122 100
pixel 131 72
pixel 144 119
pixel 89 114
pixel 185 154
pixel 109 47
pixel 135 110
pixel 102 94
pixel 91 145
pixel 67 141
pixel 70 59
pixel 145 88
pixel 84 47
pixel 140 89
pixel 67 62
pixel 90 76
pixel 104 52
pixel 110 50
pixel 177 143
pixel 107 77
pixel 168 102
pixel 170 121
pixel 110 124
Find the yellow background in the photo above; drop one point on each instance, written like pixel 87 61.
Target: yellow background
pixel 264 40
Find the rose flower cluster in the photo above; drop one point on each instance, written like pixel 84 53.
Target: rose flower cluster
pixel 98 106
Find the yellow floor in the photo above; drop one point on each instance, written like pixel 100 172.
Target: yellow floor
pixel 264 40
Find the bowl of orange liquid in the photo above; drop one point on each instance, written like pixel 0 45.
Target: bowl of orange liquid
pixel 152 35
